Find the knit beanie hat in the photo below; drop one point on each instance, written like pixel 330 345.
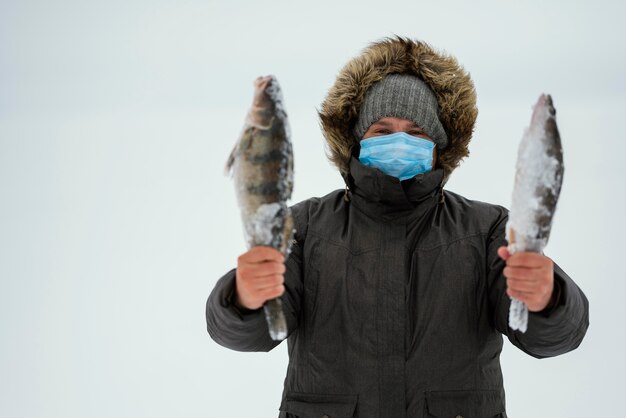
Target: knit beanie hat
pixel 402 96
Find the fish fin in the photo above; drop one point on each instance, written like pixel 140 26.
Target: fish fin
pixel 288 233
pixel 228 169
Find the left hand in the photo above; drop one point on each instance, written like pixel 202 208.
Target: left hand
pixel 529 278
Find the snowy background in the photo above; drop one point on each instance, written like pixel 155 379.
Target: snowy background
pixel 116 220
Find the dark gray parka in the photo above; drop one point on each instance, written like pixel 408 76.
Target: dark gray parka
pixel 396 303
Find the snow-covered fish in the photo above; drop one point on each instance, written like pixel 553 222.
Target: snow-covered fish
pixel 538 179
pixel 262 166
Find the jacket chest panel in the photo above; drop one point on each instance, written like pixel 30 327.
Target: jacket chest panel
pixel 355 310
pixel 339 301
pixel 445 280
pixel 447 286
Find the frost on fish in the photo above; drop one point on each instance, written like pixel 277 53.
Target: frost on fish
pixel 262 166
pixel 267 227
pixel 538 179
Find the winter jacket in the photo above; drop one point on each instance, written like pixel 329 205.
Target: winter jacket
pixel 396 305
pixel 395 299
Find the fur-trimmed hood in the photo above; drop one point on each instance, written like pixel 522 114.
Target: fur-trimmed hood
pixel 451 84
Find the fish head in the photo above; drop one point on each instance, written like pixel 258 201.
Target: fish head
pixel 263 108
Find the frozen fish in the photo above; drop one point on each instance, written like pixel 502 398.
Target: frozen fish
pixel 538 179
pixel 262 167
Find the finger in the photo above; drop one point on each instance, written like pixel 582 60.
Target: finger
pixel 528 260
pixel 272 293
pixel 521 296
pixel 267 282
pixel 504 253
pixel 267 268
pixel 535 303
pixel 539 288
pixel 523 273
pixel 261 253
pixel 255 298
pixel 523 286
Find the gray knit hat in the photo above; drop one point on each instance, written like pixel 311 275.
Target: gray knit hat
pixel 402 96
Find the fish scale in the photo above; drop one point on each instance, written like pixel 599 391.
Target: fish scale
pixel 262 167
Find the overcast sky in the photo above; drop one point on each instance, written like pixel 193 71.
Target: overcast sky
pixel 116 119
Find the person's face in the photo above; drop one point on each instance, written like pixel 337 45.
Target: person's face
pixel 391 125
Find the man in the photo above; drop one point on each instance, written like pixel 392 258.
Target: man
pixel 397 291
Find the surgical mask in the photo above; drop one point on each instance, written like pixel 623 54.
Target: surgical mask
pixel 398 155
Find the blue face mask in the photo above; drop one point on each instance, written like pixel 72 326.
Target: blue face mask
pixel 399 155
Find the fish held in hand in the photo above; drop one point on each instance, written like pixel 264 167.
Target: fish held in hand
pixel 262 167
pixel 538 179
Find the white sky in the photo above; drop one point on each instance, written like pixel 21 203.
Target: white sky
pixel 116 119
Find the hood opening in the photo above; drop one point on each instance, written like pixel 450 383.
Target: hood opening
pixel 451 84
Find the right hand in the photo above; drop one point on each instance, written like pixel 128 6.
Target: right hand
pixel 259 276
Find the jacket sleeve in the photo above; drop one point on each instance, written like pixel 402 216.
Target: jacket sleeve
pixel 556 330
pixel 247 330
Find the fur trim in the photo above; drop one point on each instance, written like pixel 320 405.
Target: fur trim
pixel 451 84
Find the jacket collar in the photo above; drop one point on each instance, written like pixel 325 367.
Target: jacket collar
pixel 380 195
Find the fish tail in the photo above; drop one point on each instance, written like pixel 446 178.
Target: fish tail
pixel 276 321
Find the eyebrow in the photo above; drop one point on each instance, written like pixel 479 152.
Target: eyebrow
pixel 386 124
pixel 381 123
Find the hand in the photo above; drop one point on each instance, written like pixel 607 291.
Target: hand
pixel 529 278
pixel 259 277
